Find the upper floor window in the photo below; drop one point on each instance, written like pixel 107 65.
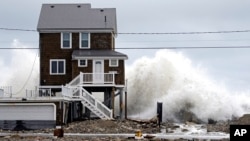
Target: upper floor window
pixel 66 40
pixel 113 63
pixel 84 40
pixel 57 67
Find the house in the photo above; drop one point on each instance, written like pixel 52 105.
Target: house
pixel 77 49
pixel 81 74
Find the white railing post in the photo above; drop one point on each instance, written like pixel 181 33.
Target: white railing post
pixel 49 93
pixel 111 113
pixel 81 78
pixel 113 75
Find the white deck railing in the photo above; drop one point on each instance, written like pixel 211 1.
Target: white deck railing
pixel 93 78
pixel 98 78
pixel 45 92
pixel 5 91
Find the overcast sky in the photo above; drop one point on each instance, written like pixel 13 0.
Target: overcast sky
pixel 229 66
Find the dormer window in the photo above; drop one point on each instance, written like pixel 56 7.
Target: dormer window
pixel 66 40
pixel 84 40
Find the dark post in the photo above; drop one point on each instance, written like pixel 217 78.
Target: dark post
pixel 159 113
pixel 121 103
pixel 126 99
pixel 126 117
pixel 113 100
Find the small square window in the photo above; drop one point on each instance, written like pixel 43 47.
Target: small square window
pixel 113 63
pixel 82 63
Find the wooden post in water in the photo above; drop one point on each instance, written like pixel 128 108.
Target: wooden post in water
pixel 126 99
pixel 113 100
pixel 159 113
pixel 121 104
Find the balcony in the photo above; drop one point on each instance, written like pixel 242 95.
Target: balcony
pixel 94 79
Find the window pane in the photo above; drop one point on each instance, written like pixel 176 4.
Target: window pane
pixel 66 40
pixel 66 36
pixel 60 67
pixel 85 36
pixel 66 44
pixel 84 40
pixel 82 62
pixel 85 43
pixel 54 67
pixel 113 62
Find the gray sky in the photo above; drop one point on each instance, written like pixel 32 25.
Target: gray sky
pixel 229 66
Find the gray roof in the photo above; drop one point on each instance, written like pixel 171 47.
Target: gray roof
pixel 90 54
pixel 76 17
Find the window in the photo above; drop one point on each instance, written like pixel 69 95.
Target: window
pixel 57 67
pixel 66 40
pixel 82 63
pixel 113 63
pixel 84 40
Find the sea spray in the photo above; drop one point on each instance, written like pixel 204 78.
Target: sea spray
pixel 171 78
pixel 19 72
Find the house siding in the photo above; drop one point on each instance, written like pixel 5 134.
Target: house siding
pixel 120 76
pixel 76 70
pixel 50 48
pixel 101 41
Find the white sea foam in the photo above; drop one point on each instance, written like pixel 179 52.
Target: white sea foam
pixel 171 78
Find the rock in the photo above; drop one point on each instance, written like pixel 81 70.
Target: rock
pixel 244 120
pixel 211 121
pixel 185 115
pixel 7 137
pixel 184 130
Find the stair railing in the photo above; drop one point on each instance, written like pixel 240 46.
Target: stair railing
pixel 77 80
pixel 99 105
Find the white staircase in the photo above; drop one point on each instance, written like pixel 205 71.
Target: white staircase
pixel 94 105
pixel 74 91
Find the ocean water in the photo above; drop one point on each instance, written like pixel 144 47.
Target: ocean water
pixel 171 78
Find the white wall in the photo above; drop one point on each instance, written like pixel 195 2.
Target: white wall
pixel 27 111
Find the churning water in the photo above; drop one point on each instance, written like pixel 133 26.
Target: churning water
pixel 170 77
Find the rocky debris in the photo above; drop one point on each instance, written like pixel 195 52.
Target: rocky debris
pixel 102 126
pixel 122 126
pixel 221 126
pixel 224 126
pixel 185 115
pixel 244 120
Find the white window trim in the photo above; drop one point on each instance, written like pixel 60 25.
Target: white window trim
pixel 117 64
pixel 80 40
pixel 70 40
pixel 79 64
pixel 57 60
